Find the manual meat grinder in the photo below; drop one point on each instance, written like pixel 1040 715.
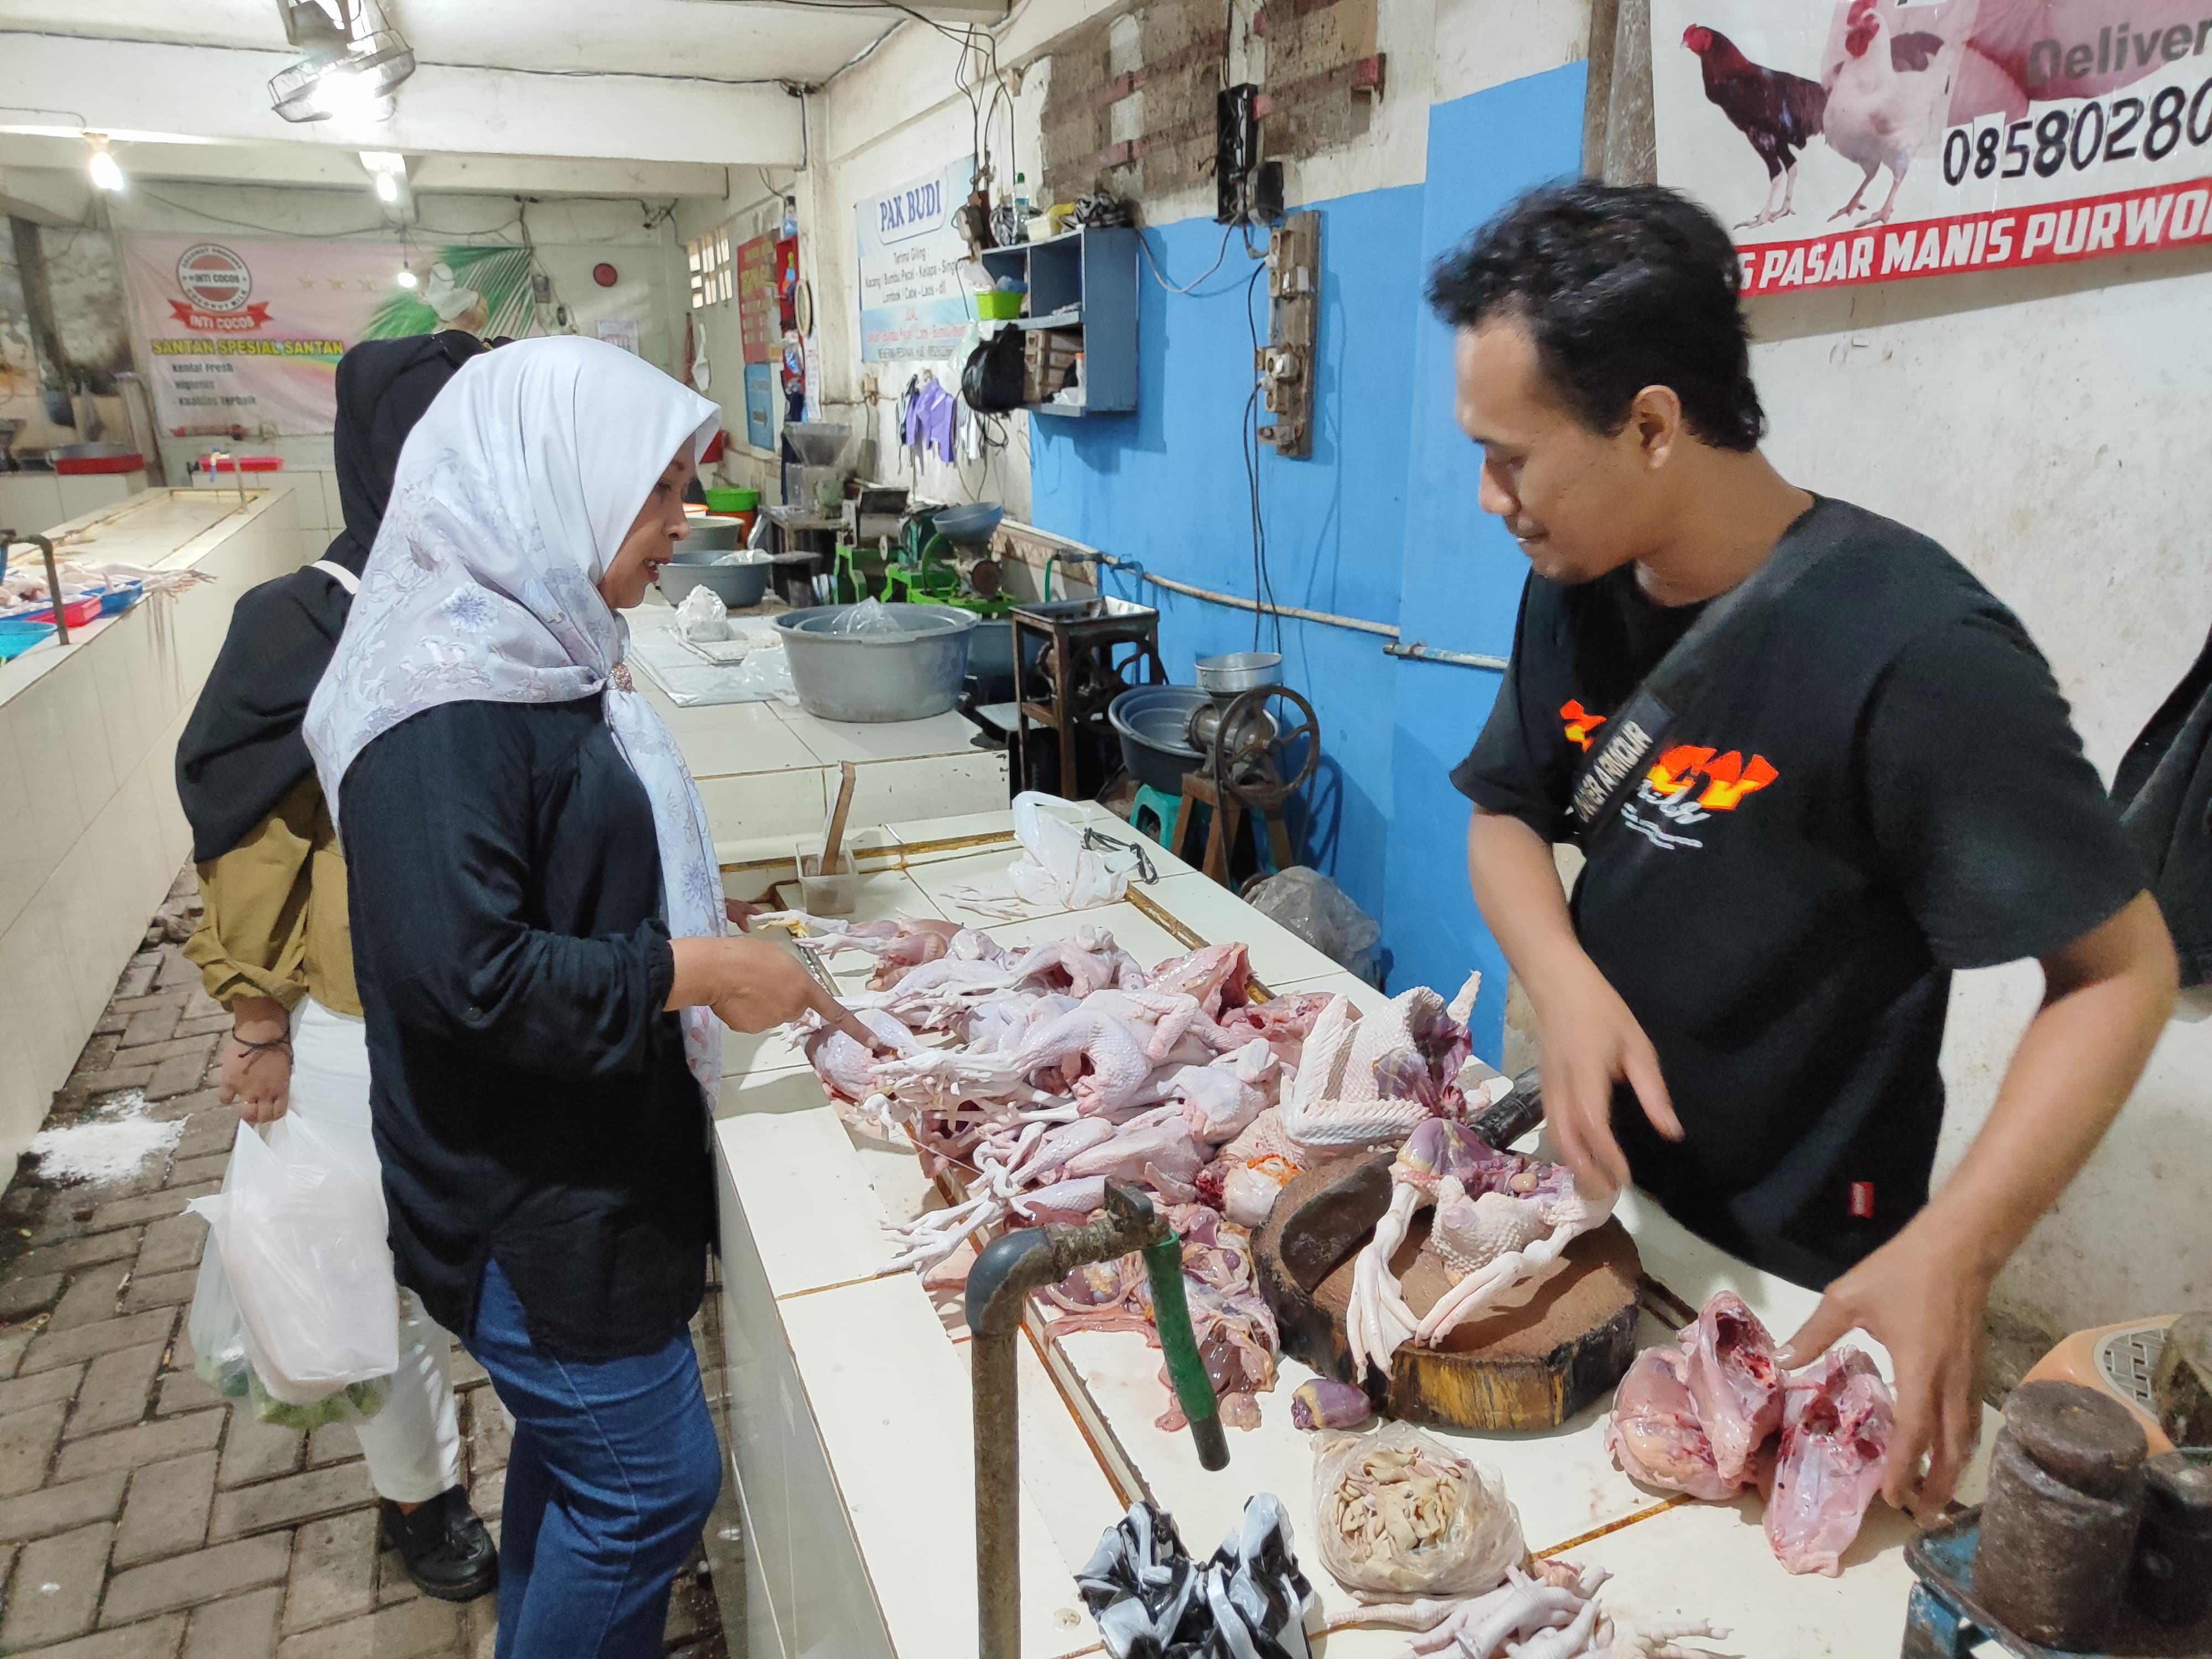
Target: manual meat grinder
pixel 1243 741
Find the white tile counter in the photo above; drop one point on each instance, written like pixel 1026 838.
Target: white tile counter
pixel 852 1411
pixel 88 815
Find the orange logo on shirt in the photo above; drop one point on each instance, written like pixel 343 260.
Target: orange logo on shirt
pixel 1729 778
pixel 1581 723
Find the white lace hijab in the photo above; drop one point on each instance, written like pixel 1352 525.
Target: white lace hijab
pixel 512 494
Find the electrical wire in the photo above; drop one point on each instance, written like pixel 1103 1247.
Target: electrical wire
pixel 1263 585
pixel 1160 277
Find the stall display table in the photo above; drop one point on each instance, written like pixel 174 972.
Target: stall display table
pixel 850 1409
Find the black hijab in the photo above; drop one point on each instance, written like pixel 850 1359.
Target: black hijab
pixel 241 751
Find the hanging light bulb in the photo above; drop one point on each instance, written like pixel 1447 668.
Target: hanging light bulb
pixel 407 279
pixel 106 174
pixel 387 187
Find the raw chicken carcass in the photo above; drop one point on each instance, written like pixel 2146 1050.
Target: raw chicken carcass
pixel 847 1069
pixel 1728 1366
pixel 1654 1434
pixel 1216 975
pixel 1502 1220
pixel 1367 1082
pixel 1837 1417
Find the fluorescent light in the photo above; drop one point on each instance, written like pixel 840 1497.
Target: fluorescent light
pixel 387 187
pixel 345 94
pixel 407 279
pixel 106 174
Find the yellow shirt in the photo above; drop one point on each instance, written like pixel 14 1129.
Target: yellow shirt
pixel 275 923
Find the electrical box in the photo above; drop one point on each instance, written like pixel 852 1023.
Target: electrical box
pixel 1236 152
pixel 1285 365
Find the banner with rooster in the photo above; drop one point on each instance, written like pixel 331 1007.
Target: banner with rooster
pixel 246 333
pixel 1864 141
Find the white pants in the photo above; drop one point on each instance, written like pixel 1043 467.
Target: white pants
pixel 414 1444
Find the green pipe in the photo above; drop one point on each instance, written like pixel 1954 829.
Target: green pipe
pixel 1186 1371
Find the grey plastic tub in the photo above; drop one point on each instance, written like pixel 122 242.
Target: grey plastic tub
pixel 1152 721
pixel 871 678
pixel 738 585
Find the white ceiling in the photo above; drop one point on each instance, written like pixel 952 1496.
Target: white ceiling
pixel 732 40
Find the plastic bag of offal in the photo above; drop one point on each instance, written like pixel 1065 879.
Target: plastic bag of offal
pixel 1321 914
pixel 300 1226
pixel 1056 867
pixel 1400 1513
pixel 703 615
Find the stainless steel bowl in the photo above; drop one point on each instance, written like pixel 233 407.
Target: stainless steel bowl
pixel 1239 671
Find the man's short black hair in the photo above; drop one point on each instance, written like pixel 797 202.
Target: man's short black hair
pixel 1620 287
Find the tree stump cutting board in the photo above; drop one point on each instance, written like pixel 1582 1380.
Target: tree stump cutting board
pixel 1540 1356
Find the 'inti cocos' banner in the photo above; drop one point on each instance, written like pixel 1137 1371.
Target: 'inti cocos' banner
pixel 1858 141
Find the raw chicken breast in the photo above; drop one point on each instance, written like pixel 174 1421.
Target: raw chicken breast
pixel 1654 1436
pixel 1835 1446
pixel 1729 1370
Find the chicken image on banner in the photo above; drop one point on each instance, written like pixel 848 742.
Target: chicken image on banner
pixel 1852 141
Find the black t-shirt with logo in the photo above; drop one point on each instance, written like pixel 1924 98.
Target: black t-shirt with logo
pixel 1880 784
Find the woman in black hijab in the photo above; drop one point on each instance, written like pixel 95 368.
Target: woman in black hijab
pixel 274 946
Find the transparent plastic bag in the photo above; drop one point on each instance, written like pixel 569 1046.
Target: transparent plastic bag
pixel 1056 867
pixel 703 615
pixel 218 1334
pixel 300 1227
pixel 869 617
pixel 1321 914
pixel 1400 1513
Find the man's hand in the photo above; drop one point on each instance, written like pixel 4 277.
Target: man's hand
pixel 1925 1301
pixel 1591 1042
pixel 257 1077
pixel 753 984
pixel 740 912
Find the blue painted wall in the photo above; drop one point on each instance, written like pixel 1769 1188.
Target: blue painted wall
pixel 1380 522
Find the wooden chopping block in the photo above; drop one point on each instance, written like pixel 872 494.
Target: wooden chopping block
pixel 2181 1384
pixel 1541 1355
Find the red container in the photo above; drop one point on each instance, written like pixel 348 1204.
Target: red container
pixel 77 466
pixel 78 611
pixel 243 464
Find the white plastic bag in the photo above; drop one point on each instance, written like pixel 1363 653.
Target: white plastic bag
pixel 703 615
pixel 301 1230
pixel 1056 867
pixel 1400 1513
pixel 1321 914
pixel 869 617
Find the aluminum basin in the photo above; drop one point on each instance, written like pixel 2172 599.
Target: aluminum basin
pixel 873 678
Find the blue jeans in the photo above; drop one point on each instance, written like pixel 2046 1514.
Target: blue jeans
pixel 614 1470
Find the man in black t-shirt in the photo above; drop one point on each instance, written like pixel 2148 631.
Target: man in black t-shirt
pixel 1875 783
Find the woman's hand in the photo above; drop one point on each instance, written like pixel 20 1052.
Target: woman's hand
pixel 755 986
pixel 257 1077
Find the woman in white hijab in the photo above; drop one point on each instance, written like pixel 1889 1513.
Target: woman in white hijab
pixel 538 938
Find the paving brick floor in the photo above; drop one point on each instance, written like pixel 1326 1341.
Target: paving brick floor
pixel 141 1515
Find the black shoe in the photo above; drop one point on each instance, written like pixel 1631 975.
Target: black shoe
pixel 444 1547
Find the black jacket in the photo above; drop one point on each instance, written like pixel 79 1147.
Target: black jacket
pixel 529 1094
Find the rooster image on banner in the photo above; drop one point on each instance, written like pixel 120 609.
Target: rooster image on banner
pixel 1877 95
pixel 1846 107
